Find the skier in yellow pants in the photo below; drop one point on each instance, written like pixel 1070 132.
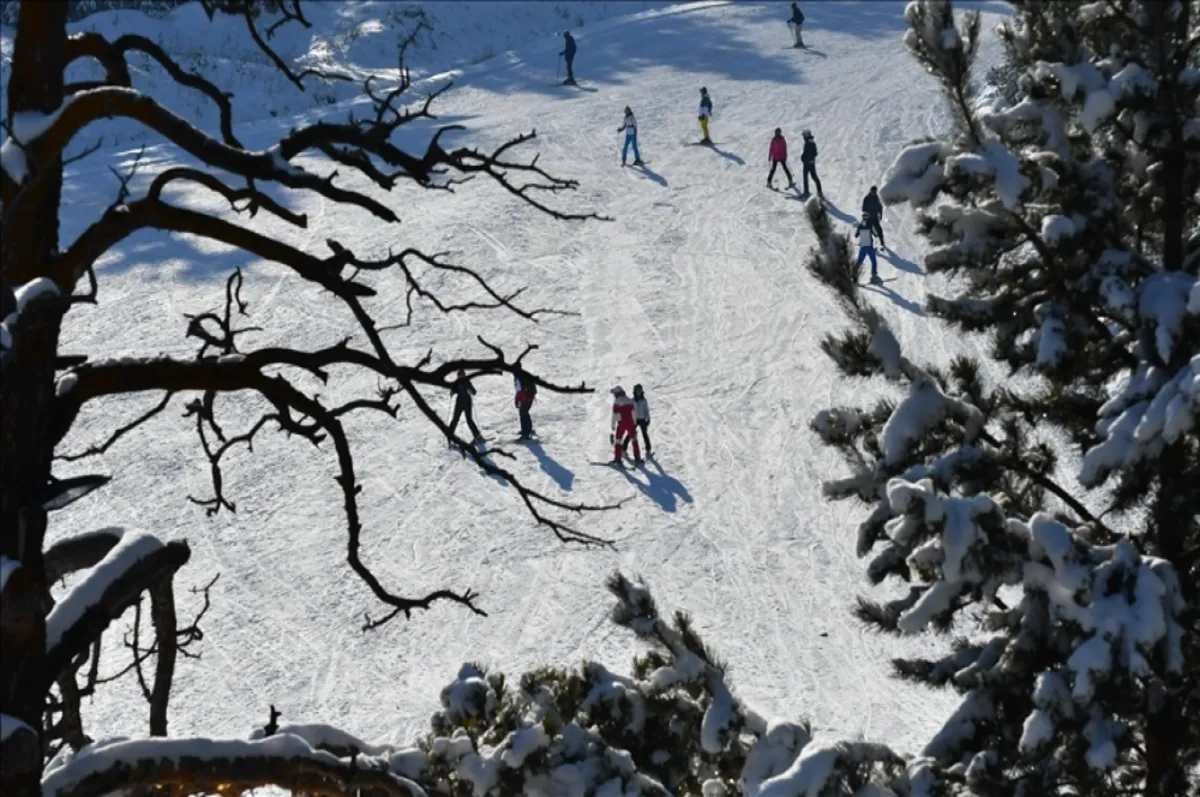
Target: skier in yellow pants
pixel 705 113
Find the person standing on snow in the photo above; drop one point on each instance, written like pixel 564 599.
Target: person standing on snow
pixel 526 391
pixel 796 20
pixel 641 416
pixel 463 391
pixel 629 128
pixel 569 53
pixel 624 426
pixel 866 246
pixel 705 113
pixel 808 157
pixel 873 207
pixel 777 155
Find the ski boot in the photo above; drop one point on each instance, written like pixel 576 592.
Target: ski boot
pixel 639 162
pixel 875 280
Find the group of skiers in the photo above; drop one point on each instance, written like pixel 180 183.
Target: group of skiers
pixel 631 414
pixel 628 415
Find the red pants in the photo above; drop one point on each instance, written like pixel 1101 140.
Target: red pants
pixel 625 430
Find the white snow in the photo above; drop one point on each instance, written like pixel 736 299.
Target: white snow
pixel 695 291
pixel 1163 300
pixel 101 757
pixel 41 286
pixel 131 549
pixel 7 568
pixel 10 725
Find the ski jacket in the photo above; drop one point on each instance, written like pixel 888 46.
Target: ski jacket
pixel 463 390
pixel 641 409
pixel 809 154
pixel 524 394
pixel 705 107
pixel 872 205
pixel 569 50
pixel 778 151
pixel 797 15
pixel 866 237
pixel 623 411
pixel 629 126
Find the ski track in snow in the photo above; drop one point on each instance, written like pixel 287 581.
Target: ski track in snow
pixel 697 291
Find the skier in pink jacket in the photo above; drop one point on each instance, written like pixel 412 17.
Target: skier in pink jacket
pixel 777 154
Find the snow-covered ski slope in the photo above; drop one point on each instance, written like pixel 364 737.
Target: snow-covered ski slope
pixel 696 290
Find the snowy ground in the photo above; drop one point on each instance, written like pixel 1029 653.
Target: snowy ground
pixel 697 291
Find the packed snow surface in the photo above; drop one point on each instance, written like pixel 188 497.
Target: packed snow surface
pixel 697 291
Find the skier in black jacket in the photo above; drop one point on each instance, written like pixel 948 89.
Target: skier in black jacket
pixel 808 157
pixel 569 53
pixel 872 209
pixel 796 20
pixel 463 391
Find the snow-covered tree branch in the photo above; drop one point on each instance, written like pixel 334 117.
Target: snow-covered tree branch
pixel 49 645
pixel 1065 218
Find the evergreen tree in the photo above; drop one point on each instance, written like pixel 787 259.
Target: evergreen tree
pixel 1067 221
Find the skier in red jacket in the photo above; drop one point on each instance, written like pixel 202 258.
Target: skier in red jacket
pixel 624 426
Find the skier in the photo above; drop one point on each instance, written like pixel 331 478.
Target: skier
pixel 866 246
pixel 629 127
pixel 777 155
pixel 624 426
pixel 808 157
pixel 794 23
pixel 705 113
pixel 569 53
pixel 641 416
pixel 526 391
pixel 873 207
pixel 463 391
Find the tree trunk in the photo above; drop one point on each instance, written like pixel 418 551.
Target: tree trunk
pixel 26 393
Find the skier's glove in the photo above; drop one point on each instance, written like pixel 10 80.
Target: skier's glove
pixel 612 439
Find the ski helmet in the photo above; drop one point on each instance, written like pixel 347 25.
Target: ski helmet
pixel 779 131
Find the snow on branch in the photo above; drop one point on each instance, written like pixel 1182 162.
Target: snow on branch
pixel 188 766
pixel 134 565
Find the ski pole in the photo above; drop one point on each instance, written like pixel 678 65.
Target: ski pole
pixel 558 67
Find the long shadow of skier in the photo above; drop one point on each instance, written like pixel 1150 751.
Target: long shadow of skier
pixel 901 263
pixel 653 175
pixel 563 477
pixel 660 486
pixel 838 213
pixel 903 302
pixel 727 155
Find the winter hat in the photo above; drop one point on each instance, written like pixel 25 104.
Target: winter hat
pixel 628 111
pixel 703 90
pixel 806 133
pixel 779 131
pixel 637 390
pixel 874 188
pixel 618 391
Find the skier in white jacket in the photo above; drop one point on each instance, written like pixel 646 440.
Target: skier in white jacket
pixel 641 416
pixel 865 231
pixel 629 128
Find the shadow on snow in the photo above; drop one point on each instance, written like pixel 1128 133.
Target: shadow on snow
pixel 664 489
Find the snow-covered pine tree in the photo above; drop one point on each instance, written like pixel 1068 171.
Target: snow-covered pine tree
pixel 1068 224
